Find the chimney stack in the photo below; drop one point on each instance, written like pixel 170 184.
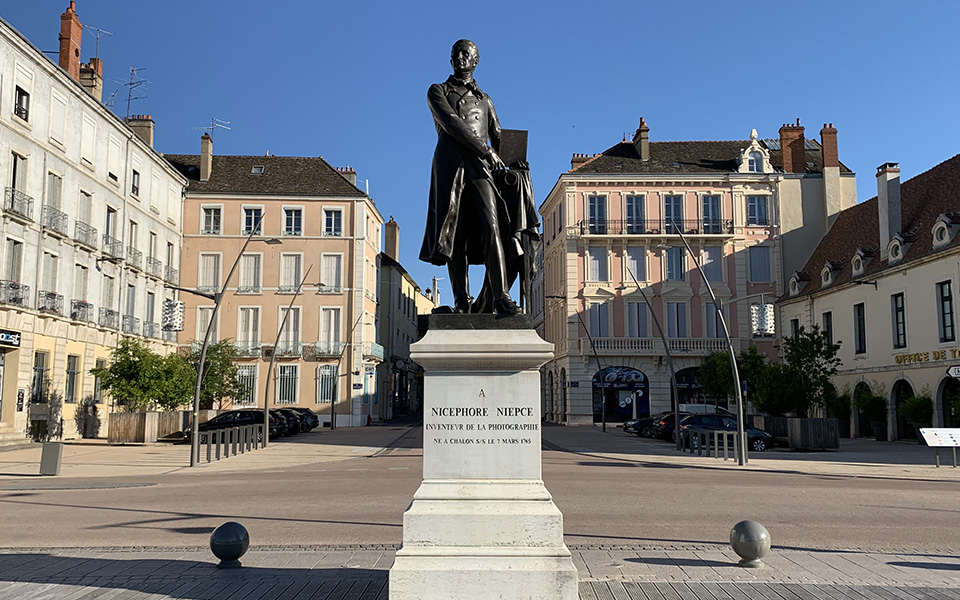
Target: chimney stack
pixel 888 203
pixel 349 174
pixel 578 159
pixel 142 125
pixel 206 157
pixel 792 148
pixel 391 239
pixel 828 146
pixel 71 32
pixel 641 140
pixel 91 78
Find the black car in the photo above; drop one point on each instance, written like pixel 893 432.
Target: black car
pixel 758 440
pixel 311 418
pixel 664 429
pixel 237 418
pixel 290 420
pixel 301 420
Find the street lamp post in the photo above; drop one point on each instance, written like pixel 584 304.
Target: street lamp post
pixel 343 348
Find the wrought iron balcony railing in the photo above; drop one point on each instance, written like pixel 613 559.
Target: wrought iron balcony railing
pixel 172 276
pixel 372 350
pixel 151 330
pixel 654 227
pixel 112 246
pixel 248 289
pixel 286 348
pixel 328 348
pixel 12 292
pixel 50 302
pixel 81 310
pixel 18 204
pixel 329 289
pixel 134 257
pixel 154 267
pixel 131 325
pixel 247 349
pixel 287 289
pixel 109 318
pixel 85 234
pixel 55 220
pixel 170 336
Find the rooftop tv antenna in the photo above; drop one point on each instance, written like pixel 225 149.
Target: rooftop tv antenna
pixel 135 82
pixel 214 123
pixel 97 32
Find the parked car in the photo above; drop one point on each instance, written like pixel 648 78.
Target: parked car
pixel 642 427
pixel 237 418
pixel 758 440
pixel 301 421
pixel 313 421
pixel 290 420
pixel 664 428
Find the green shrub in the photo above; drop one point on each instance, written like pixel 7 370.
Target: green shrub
pixel 917 410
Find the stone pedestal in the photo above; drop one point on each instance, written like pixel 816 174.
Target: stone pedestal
pixel 482 525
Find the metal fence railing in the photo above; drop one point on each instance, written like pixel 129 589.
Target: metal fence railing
pixel 224 443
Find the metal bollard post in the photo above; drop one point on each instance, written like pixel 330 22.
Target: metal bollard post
pixel 209 446
pixel 219 443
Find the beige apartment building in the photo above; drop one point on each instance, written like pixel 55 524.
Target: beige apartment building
pixel 750 210
pixel 90 232
pixel 883 283
pixel 313 218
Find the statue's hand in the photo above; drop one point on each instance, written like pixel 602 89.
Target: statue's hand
pixel 495 163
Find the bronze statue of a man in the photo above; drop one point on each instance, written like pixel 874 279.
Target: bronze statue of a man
pixel 465 219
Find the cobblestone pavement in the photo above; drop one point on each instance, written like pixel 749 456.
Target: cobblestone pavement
pixel 701 572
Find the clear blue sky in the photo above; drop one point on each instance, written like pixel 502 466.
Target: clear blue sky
pixel 347 79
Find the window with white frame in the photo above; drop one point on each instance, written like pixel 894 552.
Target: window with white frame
pixel 636 319
pixel 58 118
pixel 331 267
pixel 636 263
pixel 676 319
pixel 599 319
pixel 204 316
pixel 135 182
pixel 80 276
pixel 51 266
pixel 597 213
pixel 209 273
pixel 711 213
pixel 713 328
pixel 827 326
pixel 859 329
pixel 18 177
pixel 635 214
pixel 332 222
pixel 757 211
pixel 211 220
pixel 326 384
pixel 290 272
pixel 292 221
pixel 248 328
pixel 252 219
pixel 676 259
pixel 54 190
pixel 290 334
pixel 794 328
pixel 247 383
pixel 329 330
pixel 712 263
pixel 597 263
pixel 249 274
pixel 88 140
pixel 287 383
pixel 898 316
pixel 755 162
pixel 672 213
pixel 113 159
pixel 21 103
pixel 13 260
pixel 759 264
pixel 945 320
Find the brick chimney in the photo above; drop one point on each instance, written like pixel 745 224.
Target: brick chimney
pixel 888 203
pixel 391 239
pixel 142 125
pixel 578 159
pixel 91 78
pixel 828 146
pixel 206 156
pixel 71 32
pixel 792 148
pixel 641 140
pixel 349 174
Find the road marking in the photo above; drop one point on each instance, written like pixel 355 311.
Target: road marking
pixel 358 469
pixel 399 468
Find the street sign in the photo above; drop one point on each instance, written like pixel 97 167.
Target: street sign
pixel 954 371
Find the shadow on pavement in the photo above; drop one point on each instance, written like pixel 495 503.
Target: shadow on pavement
pixel 681 562
pixel 190 579
pixel 926 565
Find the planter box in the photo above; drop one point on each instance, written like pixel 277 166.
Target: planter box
pixel 813 434
pixel 133 428
pixel 879 429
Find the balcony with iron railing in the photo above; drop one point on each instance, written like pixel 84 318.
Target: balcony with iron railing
pixel 134 257
pixel 55 220
pixel 247 349
pixel 50 302
pixel 170 336
pixel 647 346
pixel 12 292
pixel 328 348
pixel 287 289
pixel 151 330
pixel 329 289
pixel 17 204
pixel 248 288
pixel 85 234
pixel 81 310
pixel 372 350
pixel 154 267
pixel 112 246
pixel 109 318
pixel 172 276
pixel 288 348
pixel 131 325
pixel 653 227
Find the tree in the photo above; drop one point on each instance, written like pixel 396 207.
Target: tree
pixel 716 376
pixel 174 385
pixel 139 378
pixel 220 380
pixel 811 361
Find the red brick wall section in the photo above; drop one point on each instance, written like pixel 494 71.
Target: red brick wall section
pixel 828 142
pixel 71 32
pixel 791 146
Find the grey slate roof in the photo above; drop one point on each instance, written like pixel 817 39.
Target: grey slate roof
pixel 688 157
pixel 282 176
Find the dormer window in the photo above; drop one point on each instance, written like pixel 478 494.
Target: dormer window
pixel 857 265
pixel 794 287
pixel 896 251
pixel 755 163
pixel 943 230
pixel 755 158
pixel 826 276
pixel 257 170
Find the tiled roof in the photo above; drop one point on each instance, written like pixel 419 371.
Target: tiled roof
pixel 922 200
pixel 282 176
pixel 686 157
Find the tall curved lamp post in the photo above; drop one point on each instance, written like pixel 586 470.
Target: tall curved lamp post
pixel 343 348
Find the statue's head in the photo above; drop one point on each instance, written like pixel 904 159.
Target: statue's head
pixel 464 56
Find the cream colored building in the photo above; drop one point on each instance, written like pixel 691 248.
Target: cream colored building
pixel 327 353
pixel 883 283
pixel 90 229
pixel 751 211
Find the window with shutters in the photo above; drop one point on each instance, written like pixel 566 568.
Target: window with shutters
pixel 676 320
pixel 635 214
pixel 88 140
pixel 248 328
pixel 597 207
pixel 945 320
pixel 13 260
pixel 713 328
pixel 209 273
pixel 636 319
pixel 249 274
pixel 58 118
pixel 331 273
pixel 597 264
pixel 290 272
pixel 204 314
pixel 113 160
pixel 289 343
pixel 759 264
pixel 329 343
pixel 599 319
pixel 712 263
pixel 672 213
pixel 636 263
pixel 80 275
pixel 676 256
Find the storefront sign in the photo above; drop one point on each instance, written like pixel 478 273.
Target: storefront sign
pixel 918 357
pixel 9 338
pixel 574 384
pixel 20 400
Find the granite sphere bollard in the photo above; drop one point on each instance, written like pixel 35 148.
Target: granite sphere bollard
pixel 751 541
pixel 228 543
